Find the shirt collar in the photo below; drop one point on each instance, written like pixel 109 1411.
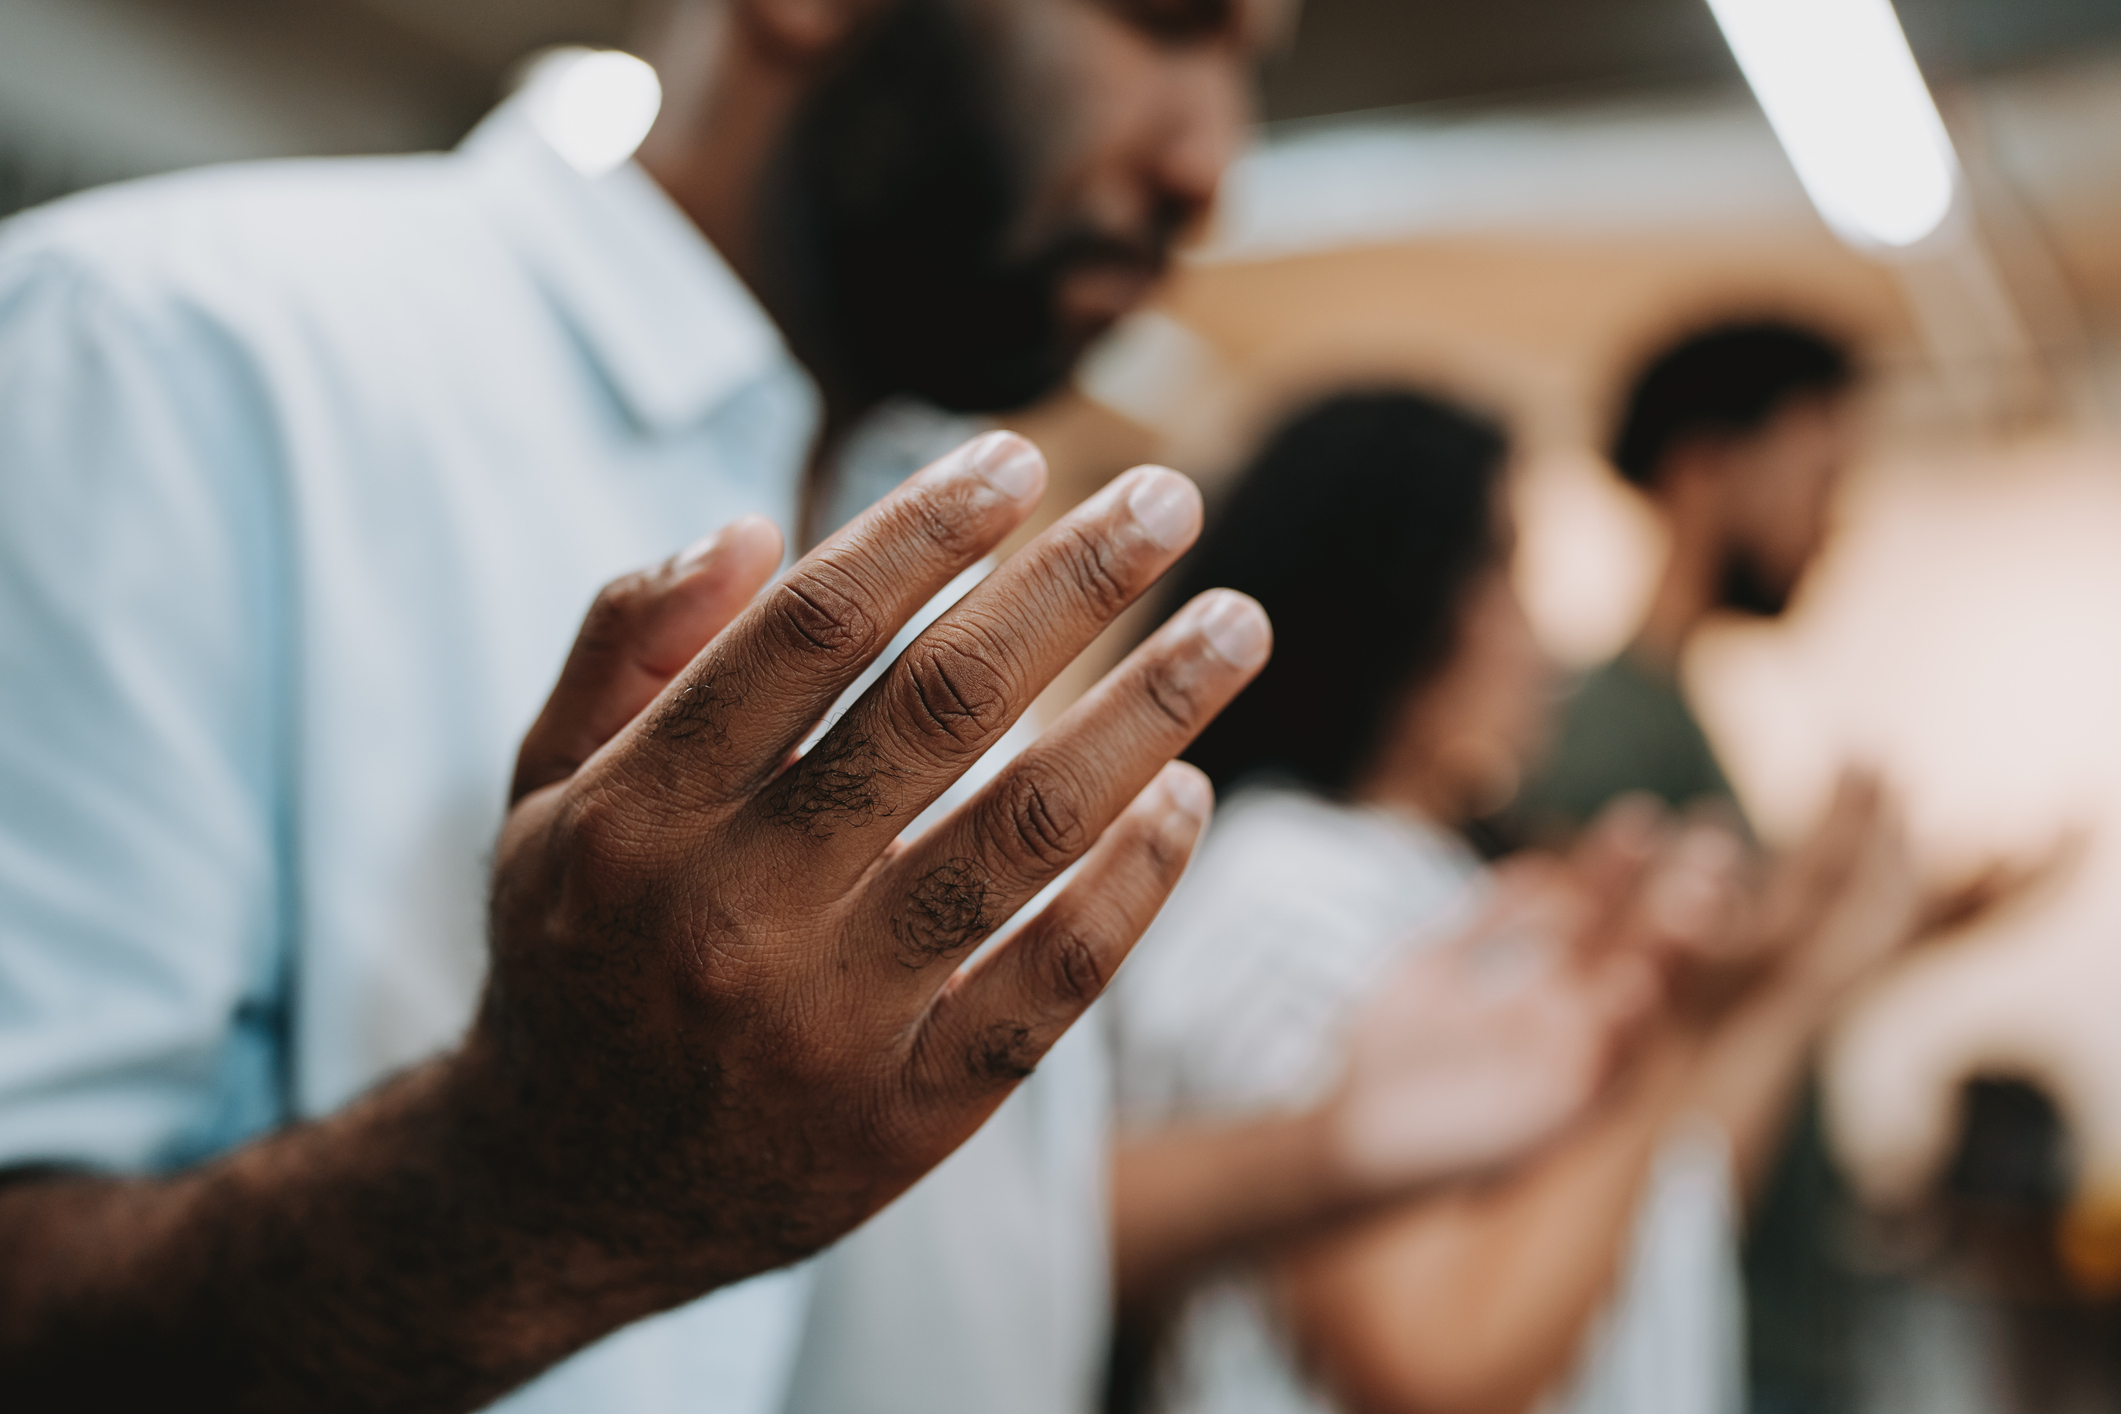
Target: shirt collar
pixel 669 322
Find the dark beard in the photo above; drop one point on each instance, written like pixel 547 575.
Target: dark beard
pixel 889 217
pixel 1745 588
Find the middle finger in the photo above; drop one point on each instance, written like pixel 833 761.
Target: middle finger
pixel 967 679
pixel 957 885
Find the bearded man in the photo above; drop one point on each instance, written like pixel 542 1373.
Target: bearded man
pixel 310 1097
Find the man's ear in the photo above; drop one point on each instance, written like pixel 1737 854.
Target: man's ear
pixel 806 30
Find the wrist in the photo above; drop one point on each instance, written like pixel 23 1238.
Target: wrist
pixel 1358 1162
pixel 541 1185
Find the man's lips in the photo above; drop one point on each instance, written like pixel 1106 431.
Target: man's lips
pixel 1093 296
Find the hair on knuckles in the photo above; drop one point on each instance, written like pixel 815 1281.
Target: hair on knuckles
pixel 701 708
pixel 1003 1053
pixel 948 914
pixel 835 783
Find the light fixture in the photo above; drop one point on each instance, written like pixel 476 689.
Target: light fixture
pixel 593 105
pixel 1844 95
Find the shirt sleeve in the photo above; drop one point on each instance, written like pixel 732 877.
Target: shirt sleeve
pixel 140 903
pixel 1230 1006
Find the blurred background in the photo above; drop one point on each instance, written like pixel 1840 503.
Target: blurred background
pixel 1515 200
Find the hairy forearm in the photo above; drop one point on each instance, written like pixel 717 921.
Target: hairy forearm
pixel 1479 1301
pixel 378 1260
pixel 1187 1199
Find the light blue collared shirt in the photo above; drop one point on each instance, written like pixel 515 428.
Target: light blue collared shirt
pixel 308 472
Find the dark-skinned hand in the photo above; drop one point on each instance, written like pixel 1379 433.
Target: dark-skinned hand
pixel 728 1015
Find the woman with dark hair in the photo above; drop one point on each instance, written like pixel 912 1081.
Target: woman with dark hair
pixel 1364 529
pixel 1405 694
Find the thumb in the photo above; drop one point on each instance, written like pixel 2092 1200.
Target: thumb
pixel 639 634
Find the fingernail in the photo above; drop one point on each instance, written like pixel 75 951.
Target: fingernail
pixel 1189 791
pixel 1166 505
pixel 1009 464
pixel 1236 628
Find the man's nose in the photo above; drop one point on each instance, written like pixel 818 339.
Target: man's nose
pixel 1207 114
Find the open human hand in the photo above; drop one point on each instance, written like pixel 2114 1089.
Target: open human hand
pixel 1482 1048
pixel 1846 902
pixel 727 1015
pixel 1825 917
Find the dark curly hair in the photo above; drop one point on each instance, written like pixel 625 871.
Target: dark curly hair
pixel 1358 526
pixel 1728 379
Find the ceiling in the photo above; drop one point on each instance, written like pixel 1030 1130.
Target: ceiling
pixel 1361 54
pixel 92 90
pixel 1352 55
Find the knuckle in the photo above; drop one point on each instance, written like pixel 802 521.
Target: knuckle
pixel 1077 968
pixel 608 860
pixel 1003 1052
pixel 823 611
pixel 701 707
pixel 951 520
pixel 1167 857
pixel 837 782
pixel 1172 691
pixel 1044 823
pixel 960 691
pixel 1094 570
pixel 593 824
pixel 949 911
pixel 612 614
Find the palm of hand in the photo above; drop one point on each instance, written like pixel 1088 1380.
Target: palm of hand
pixel 1484 1047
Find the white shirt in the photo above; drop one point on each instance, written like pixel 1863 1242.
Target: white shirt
pixel 1234 1004
pixel 308 472
pixel 986 1289
pixel 987 1285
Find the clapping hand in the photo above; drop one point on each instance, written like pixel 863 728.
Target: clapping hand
pixel 1488 1044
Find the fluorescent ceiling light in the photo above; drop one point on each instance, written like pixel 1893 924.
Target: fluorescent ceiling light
pixel 1844 95
pixel 593 105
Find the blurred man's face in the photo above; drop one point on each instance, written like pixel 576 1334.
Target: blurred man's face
pixel 984 186
pixel 1779 485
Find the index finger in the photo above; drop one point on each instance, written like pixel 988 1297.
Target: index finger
pixel 726 724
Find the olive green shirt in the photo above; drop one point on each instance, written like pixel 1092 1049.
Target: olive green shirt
pixel 1625 728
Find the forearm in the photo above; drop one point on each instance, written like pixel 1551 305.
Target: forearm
pixel 1186 1199
pixel 1480 1302
pixel 378 1260
pixel 1751 1065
